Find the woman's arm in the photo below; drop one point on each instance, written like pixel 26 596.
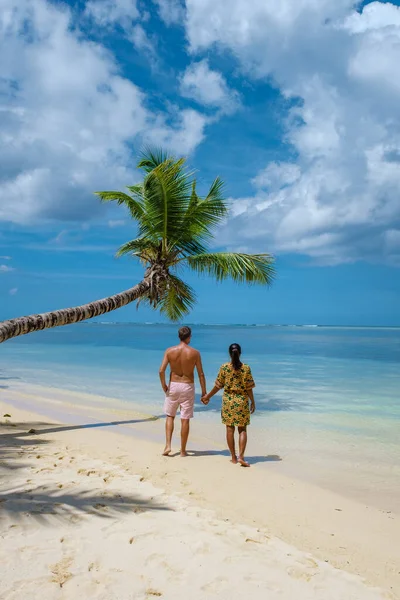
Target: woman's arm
pixel 251 396
pixel 206 398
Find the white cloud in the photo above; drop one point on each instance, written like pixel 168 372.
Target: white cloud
pixel 142 42
pixel 5 269
pixel 112 12
pixel 5 257
pixel 13 291
pixel 374 16
pixel 187 132
pixel 337 200
pixel 125 14
pixel 207 87
pixel 68 118
pixel 275 175
pixel 112 223
pixel 172 12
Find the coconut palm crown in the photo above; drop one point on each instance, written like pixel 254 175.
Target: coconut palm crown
pixel 175 227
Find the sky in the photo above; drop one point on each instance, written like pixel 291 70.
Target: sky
pixel 294 103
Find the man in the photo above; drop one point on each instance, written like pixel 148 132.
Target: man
pixel 182 360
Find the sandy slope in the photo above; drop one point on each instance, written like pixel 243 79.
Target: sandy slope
pixel 81 518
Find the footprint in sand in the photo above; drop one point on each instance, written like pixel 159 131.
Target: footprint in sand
pixel 305 569
pixel 87 472
pixel 216 585
pixel 75 519
pixel 93 566
pixel 60 571
pixel 158 562
pixel 152 593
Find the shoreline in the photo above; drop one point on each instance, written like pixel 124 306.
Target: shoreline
pixel 352 466
pixel 346 534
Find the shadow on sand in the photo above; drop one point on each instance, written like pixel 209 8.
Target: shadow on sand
pixel 40 502
pixel 253 460
pixel 36 428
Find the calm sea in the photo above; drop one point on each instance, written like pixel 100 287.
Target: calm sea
pixel 328 399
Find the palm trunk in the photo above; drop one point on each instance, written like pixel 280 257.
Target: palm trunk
pixel 67 316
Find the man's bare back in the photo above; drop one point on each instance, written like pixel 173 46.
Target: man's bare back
pixel 182 360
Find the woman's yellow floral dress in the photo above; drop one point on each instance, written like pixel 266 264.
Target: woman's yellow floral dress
pixel 235 401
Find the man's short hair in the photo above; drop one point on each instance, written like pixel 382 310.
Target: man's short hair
pixel 184 333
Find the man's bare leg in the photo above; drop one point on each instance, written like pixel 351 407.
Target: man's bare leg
pixel 230 439
pixel 169 430
pixel 185 427
pixel 242 446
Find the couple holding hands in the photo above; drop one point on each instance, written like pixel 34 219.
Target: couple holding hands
pixel 234 378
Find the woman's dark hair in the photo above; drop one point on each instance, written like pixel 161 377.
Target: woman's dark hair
pixel 234 352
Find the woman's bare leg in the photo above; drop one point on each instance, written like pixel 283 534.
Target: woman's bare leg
pixel 230 439
pixel 242 446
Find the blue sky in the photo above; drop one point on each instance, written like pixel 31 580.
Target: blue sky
pixel 294 103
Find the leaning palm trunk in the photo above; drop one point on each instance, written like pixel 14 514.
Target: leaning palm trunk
pixel 67 316
pixel 174 228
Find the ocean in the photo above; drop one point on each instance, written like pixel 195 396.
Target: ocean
pixel 328 398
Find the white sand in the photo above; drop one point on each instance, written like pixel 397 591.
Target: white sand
pixel 80 518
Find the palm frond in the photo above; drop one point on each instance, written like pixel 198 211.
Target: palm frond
pixel 166 197
pixel 201 217
pixel 177 300
pixel 134 205
pixel 151 158
pixel 249 268
pixel 143 248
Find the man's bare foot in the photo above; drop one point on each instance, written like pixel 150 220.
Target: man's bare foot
pixel 184 453
pixel 167 451
pixel 234 460
pixel 242 462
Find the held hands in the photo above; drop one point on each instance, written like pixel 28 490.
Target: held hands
pixel 205 399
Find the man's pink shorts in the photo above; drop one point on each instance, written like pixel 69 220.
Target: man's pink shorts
pixel 180 394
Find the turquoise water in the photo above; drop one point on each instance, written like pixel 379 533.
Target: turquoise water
pixel 322 393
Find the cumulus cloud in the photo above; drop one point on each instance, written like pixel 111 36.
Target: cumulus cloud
pixel 186 133
pixel 13 291
pixel 68 118
pixel 207 87
pixel 125 15
pixel 172 12
pixel 111 12
pixel 142 41
pixel 337 200
pixel 5 269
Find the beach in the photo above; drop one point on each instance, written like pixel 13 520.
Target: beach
pixel 89 507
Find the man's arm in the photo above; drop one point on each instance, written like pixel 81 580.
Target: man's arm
pixel 200 372
pixel 163 368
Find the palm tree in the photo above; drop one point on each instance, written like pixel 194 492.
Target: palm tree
pixel 174 227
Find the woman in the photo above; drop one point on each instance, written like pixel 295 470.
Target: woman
pixel 237 381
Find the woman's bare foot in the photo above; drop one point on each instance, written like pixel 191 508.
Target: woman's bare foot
pixel 167 451
pixel 234 460
pixel 242 462
pixel 184 453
